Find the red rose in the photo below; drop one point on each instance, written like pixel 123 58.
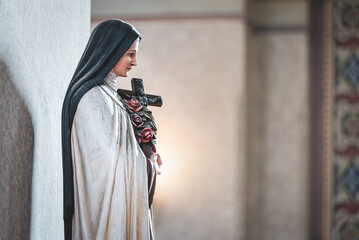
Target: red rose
pixel 147 134
pixel 136 120
pixel 134 105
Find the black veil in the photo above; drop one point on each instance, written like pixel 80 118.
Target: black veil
pixel 107 44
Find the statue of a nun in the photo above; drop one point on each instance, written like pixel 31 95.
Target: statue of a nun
pixel 106 184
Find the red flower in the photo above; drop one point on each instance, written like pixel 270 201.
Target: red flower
pixel 147 134
pixel 134 105
pixel 136 120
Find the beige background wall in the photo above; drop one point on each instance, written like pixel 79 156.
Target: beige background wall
pixel 198 68
pixel 168 8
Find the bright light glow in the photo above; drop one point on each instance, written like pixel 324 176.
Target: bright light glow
pixel 169 181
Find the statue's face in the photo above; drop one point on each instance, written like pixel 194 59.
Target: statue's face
pixel 127 61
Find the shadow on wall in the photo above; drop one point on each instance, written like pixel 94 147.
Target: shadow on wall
pixel 16 160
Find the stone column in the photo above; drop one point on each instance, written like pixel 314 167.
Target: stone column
pixel 278 123
pixel 40 44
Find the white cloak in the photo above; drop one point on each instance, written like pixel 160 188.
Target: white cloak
pixel 110 171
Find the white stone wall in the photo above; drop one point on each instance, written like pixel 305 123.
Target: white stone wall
pixel 40 44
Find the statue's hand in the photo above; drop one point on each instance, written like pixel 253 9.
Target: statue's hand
pixel 156 159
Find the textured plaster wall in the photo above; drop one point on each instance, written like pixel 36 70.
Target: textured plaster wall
pixel 40 44
pixel 278 136
pixel 198 68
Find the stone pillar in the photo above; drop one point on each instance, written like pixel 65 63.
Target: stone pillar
pixel 40 44
pixel 278 123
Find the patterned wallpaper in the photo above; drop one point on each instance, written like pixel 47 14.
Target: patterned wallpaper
pixel 345 120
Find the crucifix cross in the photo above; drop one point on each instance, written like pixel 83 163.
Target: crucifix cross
pixel 138 93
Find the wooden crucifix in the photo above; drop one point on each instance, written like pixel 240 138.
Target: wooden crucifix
pixel 147 147
pixel 138 93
